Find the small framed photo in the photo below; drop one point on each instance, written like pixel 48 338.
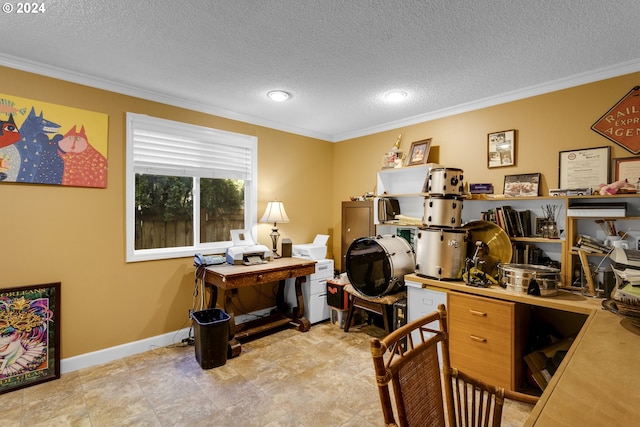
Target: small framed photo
pixel 539 222
pixel 502 148
pixel 524 185
pixel 419 152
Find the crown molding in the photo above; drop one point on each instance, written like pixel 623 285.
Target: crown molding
pixel 548 87
pixel 124 89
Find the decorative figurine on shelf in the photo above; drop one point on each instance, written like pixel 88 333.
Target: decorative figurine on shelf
pixel 549 227
pixel 395 157
pixel 622 186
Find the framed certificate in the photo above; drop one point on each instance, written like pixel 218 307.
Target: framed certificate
pixel 586 168
pixel 626 168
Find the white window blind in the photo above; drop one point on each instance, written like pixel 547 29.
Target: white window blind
pixel 168 148
pixel 165 147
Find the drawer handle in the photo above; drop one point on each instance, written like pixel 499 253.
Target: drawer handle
pixel 477 338
pixel 259 277
pixel 478 313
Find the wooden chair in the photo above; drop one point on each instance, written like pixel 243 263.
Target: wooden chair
pixel 412 366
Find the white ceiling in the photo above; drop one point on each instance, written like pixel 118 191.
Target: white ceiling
pixel 336 57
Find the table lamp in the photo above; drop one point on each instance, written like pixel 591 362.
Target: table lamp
pixel 275 213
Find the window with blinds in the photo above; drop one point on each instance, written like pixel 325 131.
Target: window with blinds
pixel 187 187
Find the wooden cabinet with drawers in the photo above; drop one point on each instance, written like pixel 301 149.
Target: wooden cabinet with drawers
pixel 488 338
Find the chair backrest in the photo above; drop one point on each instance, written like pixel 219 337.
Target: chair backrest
pixel 408 360
pixel 410 363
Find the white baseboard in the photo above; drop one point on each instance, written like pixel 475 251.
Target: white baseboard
pixel 113 353
pixel 129 349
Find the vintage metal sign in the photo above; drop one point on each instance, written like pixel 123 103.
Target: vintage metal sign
pixel 621 124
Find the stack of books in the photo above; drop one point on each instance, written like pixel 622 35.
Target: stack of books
pixel 527 253
pixel 514 223
pixel 591 244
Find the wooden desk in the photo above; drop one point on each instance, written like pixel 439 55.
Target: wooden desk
pixel 597 382
pixel 230 277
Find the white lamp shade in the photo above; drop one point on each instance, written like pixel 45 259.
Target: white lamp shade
pixel 275 213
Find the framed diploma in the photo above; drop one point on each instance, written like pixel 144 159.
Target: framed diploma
pixel 626 168
pixel 586 168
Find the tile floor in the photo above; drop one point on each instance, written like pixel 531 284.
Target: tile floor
pixel 323 377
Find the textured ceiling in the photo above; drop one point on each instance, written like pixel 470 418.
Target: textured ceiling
pixel 337 58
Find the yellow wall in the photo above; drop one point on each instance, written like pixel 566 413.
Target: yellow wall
pixel 77 235
pixel 544 124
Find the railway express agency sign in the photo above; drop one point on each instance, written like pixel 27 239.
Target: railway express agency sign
pixel 621 124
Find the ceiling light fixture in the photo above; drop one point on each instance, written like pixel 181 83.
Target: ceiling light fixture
pixel 278 95
pixel 395 96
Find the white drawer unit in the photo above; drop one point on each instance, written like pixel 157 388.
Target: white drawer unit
pixel 314 292
pixel 422 301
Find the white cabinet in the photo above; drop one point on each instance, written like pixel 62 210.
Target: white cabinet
pixel 314 292
pixel 406 185
pixel 422 301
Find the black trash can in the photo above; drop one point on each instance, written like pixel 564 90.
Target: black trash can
pixel 211 335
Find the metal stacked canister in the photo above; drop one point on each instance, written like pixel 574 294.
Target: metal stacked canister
pixel 441 244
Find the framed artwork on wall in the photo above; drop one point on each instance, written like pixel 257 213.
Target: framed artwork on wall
pixel 29 335
pixel 419 152
pixel 501 148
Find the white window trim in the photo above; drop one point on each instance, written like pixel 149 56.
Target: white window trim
pixel 251 189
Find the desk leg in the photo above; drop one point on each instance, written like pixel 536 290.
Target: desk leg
pixel 234 348
pixel 297 313
pixel 213 295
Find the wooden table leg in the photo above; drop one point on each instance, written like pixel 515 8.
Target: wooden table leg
pixel 297 313
pixel 235 347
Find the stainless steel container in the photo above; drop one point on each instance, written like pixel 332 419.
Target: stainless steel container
pixel 442 211
pixel 440 253
pixel 445 181
pixel 524 278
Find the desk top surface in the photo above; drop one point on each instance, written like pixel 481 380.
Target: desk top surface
pixel 565 300
pixel 228 270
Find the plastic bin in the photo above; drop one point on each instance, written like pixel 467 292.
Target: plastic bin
pixel 337 297
pixel 211 335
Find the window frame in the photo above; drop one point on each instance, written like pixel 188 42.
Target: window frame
pixel 218 136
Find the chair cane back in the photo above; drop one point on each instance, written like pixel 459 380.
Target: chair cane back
pixel 425 393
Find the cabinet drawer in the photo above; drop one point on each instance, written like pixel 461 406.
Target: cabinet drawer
pixel 317 287
pixel 324 270
pixel 422 301
pixel 481 355
pixel 481 314
pixel 481 338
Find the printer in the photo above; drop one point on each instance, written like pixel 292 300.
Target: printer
pixel 245 251
pixel 316 250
